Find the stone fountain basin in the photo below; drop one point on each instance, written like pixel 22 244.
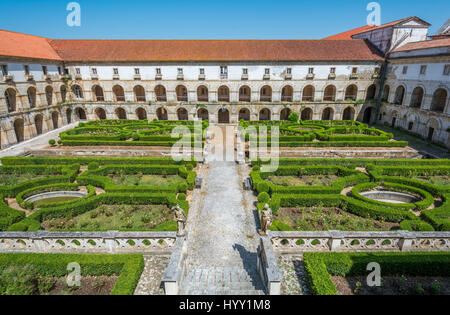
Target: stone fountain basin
pixel 390 196
pixel 55 194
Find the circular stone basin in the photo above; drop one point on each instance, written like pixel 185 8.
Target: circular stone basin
pixel 390 196
pixel 56 194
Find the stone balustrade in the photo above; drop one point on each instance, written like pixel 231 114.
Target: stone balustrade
pixel 337 241
pixel 112 242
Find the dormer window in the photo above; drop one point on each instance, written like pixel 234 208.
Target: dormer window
pixel 423 70
pixel 4 69
pixel 244 71
pixel 44 70
pixel 26 68
pixel 267 71
pixel 311 71
pixel 116 71
pixel 94 70
pixel 202 71
pixel 59 70
pixel 180 71
pixel 354 70
pixel 77 70
pixel 289 71
pixel 405 70
pixel 137 71
pixel 158 71
pixel 333 70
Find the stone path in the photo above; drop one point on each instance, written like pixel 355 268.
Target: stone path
pixel 294 278
pixel 150 281
pixel 223 240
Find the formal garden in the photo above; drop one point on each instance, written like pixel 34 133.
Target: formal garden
pixel 93 194
pixel 319 134
pixel 356 194
pixel 136 133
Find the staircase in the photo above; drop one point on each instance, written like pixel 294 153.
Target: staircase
pixel 221 281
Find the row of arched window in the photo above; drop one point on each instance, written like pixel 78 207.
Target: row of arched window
pixel 438 101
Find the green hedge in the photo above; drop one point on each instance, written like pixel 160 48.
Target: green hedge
pixel 128 267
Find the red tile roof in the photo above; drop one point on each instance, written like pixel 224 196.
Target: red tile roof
pixel 349 34
pixel 393 23
pixel 214 50
pixel 426 44
pixel 26 46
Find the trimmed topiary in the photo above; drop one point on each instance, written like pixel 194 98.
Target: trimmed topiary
pixel 182 196
pixel 93 166
pixel 263 187
pixel 263 197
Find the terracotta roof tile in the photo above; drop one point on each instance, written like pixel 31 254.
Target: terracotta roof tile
pixel 392 24
pixel 26 46
pixel 349 34
pixel 426 44
pixel 214 50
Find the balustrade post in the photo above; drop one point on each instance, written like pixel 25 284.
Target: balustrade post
pixel 110 242
pixel 335 240
pixel 406 239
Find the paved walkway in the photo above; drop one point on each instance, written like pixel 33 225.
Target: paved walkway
pixel 35 143
pixel 223 240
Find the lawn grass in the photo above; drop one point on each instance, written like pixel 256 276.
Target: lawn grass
pixel 146 180
pixel 316 180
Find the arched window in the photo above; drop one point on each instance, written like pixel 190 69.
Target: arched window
pixel 63 91
pixel 264 114
pixel 244 114
pixel 287 94
pixel 38 120
pixel 329 93
pixel 202 94
pixel 161 113
pixel 351 93
pixel 31 92
pixel 121 113
pixel 284 114
pixel 182 95
pixel 77 92
pixel 224 94
pixel 98 94
pixel 417 97
pixel 349 114
pixel 10 97
pixel 203 114
pixel 244 94
pixel 139 93
pixel 399 95
pixel 141 113
pixel 308 94
pixel 49 95
pixel 439 100
pixel 182 114
pixel 101 114
pixel 386 91
pixel 328 114
pixel 266 94
pixel 119 94
pixel 160 92
pixel 307 114
pixel 371 91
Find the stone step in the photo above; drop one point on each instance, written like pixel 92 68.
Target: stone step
pixel 221 281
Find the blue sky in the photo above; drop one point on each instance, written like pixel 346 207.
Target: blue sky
pixel 202 19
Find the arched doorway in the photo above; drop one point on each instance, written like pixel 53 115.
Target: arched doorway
pixel 55 119
pixel 438 101
pixel 121 113
pixel 139 93
pixel 266 94
pixel 284 114
pixel 160 92
pixel 351 93
pixel 224 116
pixel 264 114
pixel 100 113
pixel 19 129
pixel 386 91
pixel 244 114
pixel 202 94
pixel 38 121
pixel 327 114
pixel 367 119
pixel 63 91
pixel 182 95
pixel 330 93
pixel 287 94
pixel 77 92
pixel 371 91
pixel 141 113
pixel 10 97
pixel 69 115
pixel 161 113
pixel 119 94
pixel 203 114
pixel 182 114
pixel 349 114
pixel 81 114
pixel 224 94
pixel 244 94
pixel 98 93
pixel 308 94
pixel 307 114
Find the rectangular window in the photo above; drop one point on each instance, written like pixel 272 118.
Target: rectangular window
pixel 4 69
pixel 447 70
pixel 405 70
pixel 267 71
pixel 116 71
pixel 333 70
pixel 223 70
pixel 66 70
pixel 26 68
pixel 180 71
pixel 137 71
pixel 44 69
pixel 77 70
pixel 158 71
pixel 202 71
pixel 289 70
pixel 59 70
pixel 354 70
pixel 94 70
pixel 311 71
pixel 245 71
pixel 423 69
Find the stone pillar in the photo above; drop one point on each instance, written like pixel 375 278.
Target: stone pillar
pixel 276 96
pixel 234 96
pixel 335 241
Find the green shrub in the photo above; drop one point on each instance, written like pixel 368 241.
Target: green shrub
pixel 416 226
pixel 263 197
pixel 182 197
pixel 263 187
pixel 93 166
pixel 52 142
